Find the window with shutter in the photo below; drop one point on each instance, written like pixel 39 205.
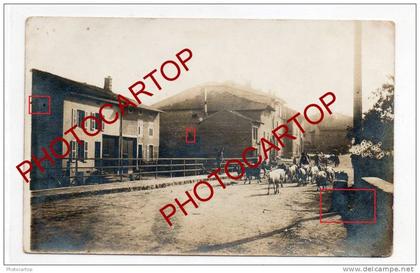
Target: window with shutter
pixel 85 156
pixel 73 117
pixel 155 152
pixel 96 126
pixel 140 127
pixel 150 152
pixel 80 117
pixel 92 122
pixel 81 151
pixel 150 129
pixel 73 149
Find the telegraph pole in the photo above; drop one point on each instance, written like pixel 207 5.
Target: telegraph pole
pixel 357 95
pixel 357 82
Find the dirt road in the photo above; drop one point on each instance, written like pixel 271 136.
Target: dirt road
pixel 239 220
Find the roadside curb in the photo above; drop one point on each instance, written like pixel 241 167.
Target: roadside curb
pixel 42 196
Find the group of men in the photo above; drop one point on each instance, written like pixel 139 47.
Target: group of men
pixel 319 158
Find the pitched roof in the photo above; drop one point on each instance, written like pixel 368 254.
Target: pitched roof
pixel 220 97
pixel 222 112
pixel 87 90
pixel 336 121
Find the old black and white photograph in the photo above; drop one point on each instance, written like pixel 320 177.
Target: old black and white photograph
pixel 233 137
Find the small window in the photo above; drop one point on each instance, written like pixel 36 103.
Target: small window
pixel 155 152
pixel 82 150
pixel 140 151
pixel 150 129
pixel 254 133
pixel 92 122
pixel 73 117
pixel 150 152
pixel 96 122
pixel 97 149
pixel 85 156
pixel 140 127
pixel 80 117
pixel 190 135
pixel 73 149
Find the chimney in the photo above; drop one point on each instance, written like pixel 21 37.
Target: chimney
pixel 108 83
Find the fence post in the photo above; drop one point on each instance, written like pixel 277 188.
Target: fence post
pixel 75 173
pixel 170 163
pixel 101 170
pixel 121 169
pixel 156 168
pixel 184 167
pixel 140 162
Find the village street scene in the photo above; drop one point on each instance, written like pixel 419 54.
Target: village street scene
pixel 241 220
pixel 325 188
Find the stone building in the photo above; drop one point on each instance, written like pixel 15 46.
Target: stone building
pixel 136 135
pixel 329 136
pixel 201 121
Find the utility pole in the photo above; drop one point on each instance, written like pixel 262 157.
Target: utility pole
pixel 357 95
pixel 357 82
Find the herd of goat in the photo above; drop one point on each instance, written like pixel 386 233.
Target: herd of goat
pixel 304 174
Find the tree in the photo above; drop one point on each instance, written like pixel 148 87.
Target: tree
pixel 378 122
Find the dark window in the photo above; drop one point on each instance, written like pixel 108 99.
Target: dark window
pixel 140 152
pixel 80 117
pixel 150 155
pixel 73 149
pixel 155 152
pixel 97 149
pixel 97 153
pixel 190 134
pixel 125 149
pixel 95 122
pixel 254 133
pixel 82 150
pixel 92 123
pixel 109 147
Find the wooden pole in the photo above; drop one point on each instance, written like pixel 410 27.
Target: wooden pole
pixel 357 96
pixel 357 82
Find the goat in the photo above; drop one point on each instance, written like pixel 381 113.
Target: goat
pixel 276 177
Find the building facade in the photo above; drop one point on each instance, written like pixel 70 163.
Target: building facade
pixel 330 136
pixel 202 121
pixel 133 137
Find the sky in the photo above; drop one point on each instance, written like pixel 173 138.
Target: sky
pixel 298 60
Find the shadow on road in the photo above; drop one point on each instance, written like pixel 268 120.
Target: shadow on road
pixel 217 247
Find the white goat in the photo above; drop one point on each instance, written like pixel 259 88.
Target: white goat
pixel 276 177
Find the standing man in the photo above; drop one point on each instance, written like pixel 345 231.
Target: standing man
pixel 304 159
pixel 220 157
pixel 316 159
